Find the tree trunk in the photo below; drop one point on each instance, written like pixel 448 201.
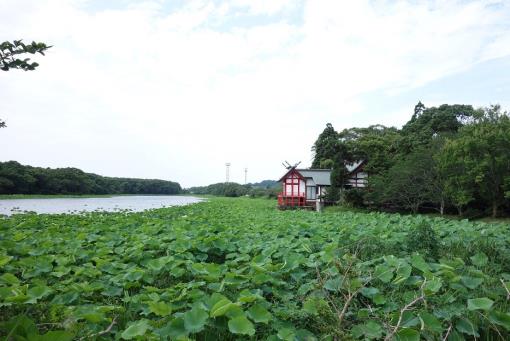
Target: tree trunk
pixel 494 209
pixel 441 209
pixel 415 208
pixel 459 209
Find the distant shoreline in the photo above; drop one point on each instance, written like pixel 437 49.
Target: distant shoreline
pixel 82 196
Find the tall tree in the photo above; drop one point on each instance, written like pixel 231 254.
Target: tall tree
pixel 325 148
pixel 406 185
pixel 418 110
pixel 427 123
pixel 339 173
pixel 458 184
pixel 377 145
pixel 481 155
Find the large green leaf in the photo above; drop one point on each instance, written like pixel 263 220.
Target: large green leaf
pixel 379 299
pixel 304 335
pixel 370 330
pixel 419 263
pixel 466 326
pixel 57 335
pixel 221 307
pixel 138 328
pixel 158 264
pixel 407 334
pixel 334 284
pixel 501 319
pixel 480 259
pixel 247 296
pixel 471 282
pixel 195 319
pixel 311 306
pixel 479 303
pixel 174 329
pixel 160 308
pixel 38 292
pixel 433 285
pixel 241 325
pixel 431 322
pixel 4 259
pixel 20 325
pixel 286 334
pixel 455 336
pixel 402 273
pixel 259 314
pixel 9 279
pixel 369 292
pixel 384 273
pixel 215 298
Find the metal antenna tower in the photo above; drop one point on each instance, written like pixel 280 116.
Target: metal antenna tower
pixel 227 172
pixel 245 175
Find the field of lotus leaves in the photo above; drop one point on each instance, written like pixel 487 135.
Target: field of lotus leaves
pixel 239 269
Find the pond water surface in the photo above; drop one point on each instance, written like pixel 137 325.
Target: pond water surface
pixel 134 203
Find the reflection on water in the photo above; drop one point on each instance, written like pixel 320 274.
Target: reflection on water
pixel 75 205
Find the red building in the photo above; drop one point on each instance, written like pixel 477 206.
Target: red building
pixel 304 187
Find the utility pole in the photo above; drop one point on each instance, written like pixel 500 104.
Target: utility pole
pixel 245 176
pixel 227 178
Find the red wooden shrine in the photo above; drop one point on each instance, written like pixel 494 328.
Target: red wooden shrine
pixel 293 190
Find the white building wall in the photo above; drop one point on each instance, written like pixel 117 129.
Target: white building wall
pixel 289 191
pixel 302 187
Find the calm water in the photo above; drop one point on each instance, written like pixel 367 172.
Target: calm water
pixel 75 205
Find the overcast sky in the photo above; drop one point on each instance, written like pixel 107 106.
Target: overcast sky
pixel 174 89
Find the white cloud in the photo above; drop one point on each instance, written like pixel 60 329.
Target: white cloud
pixel 174 93
pixel 266 7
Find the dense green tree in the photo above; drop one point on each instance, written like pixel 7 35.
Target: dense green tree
pixel 459 186
pixel 325 148
pixel 230 189
pixel 480 155
pixel 406 185
pixel 427 123
pixel 338 179
pixel 377 144
pixel 15 177
pixel 444 157
pixel 438 186
pixel 339 173
pixel 18 179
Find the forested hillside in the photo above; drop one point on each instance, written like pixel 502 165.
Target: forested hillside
pixel 266 184
pixel 449 159
pixel 19 179
pixel 231 189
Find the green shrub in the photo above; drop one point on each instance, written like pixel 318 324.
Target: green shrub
pixel 423 239
pixel 353 197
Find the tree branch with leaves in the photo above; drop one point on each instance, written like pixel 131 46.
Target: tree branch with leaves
pixel 9 53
